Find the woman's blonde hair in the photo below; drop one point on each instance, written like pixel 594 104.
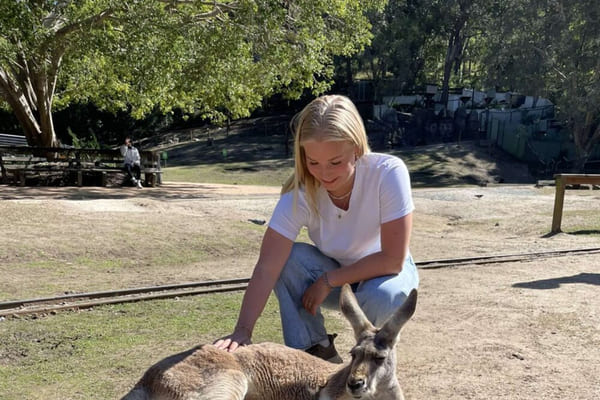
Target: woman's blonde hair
pixel 326 118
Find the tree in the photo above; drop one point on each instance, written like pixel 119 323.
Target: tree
pixel 550 48
pixel 424 41
pixel 574 79
pixel 212 58
pixel 402 32
pixel 462 24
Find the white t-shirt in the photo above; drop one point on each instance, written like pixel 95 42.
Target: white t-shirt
pixel 381 194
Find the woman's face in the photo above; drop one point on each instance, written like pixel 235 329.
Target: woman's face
pixel 331 163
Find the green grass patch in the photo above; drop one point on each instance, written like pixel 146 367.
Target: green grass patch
pixel 264 173
pixel 112 264
pixel 98 354
pixel 581 222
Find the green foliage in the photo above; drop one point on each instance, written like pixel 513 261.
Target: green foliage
pixel 541 48
pixel 90 142
pixel 550 49
pixel 401 32
pixel 413 39
pixel 219 60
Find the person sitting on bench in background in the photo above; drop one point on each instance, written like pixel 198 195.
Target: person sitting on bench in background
pixel 131 162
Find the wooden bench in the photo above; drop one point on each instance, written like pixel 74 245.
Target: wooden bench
pixel 19 162
pixel 12 140
pixel 113 164
pixel 562 180
pixel 14 168
pixel 152 176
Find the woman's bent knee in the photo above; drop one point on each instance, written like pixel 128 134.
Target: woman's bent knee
pixel 379 305
pixel 381 297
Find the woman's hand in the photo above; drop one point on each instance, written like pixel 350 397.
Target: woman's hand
pixel 315 295
pixel 240 337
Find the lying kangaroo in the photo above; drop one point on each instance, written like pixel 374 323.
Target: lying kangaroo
pixel 270 371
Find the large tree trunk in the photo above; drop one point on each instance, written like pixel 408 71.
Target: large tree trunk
pixel 453 57
pixel 456 46
pixel 19 105
pixel 29 83
pixel 447 71
pixel 29 92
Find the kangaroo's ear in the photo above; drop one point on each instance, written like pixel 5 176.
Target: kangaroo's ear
pixel 353 312
pixel 388 334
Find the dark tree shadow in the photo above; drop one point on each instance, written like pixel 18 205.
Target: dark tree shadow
pixel 580 232
pixel 169 191
pixel 554 283
pixel 586 232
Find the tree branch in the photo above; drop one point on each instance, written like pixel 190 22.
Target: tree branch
pixel 22 77
pixel 231 5
pixel 56 60
pixel 19 105
pixel 595 137
pixel 547 57
pixel 4 88
pixel 94 20
pixel 218 9
pixel 62 31
pixel 53 21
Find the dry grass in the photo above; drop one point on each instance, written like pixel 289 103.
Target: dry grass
pixel 91 245
pixel 509 331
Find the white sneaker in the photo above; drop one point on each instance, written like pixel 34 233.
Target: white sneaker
pixel 139 184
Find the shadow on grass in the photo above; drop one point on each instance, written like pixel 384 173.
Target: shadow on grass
pixel 579 232
pixel 170 191
pixel 235 148
pixel 450 164
pixel 438 165
pixel 555 283
pixel 585 232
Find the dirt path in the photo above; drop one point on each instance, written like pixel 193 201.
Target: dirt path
pixel 201 231
pixel 526 330
pixel 518 330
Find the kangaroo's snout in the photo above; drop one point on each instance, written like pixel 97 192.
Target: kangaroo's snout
pixel 356 385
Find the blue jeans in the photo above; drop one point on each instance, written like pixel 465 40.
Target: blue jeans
pixel 378 297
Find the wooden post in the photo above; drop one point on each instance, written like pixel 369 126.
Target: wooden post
pixel 559 199
pixel 561 181
pixel 21 173
pixel 151 180
pixel 3 170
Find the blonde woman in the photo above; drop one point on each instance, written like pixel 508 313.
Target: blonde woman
pixel 357 207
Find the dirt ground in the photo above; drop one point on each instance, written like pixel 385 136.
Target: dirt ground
pixel 518 330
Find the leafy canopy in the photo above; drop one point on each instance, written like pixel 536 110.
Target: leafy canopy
pixel 219 59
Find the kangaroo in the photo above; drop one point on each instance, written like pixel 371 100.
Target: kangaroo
pixel 270 371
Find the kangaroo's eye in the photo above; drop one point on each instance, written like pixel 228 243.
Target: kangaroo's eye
pixel 378 360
